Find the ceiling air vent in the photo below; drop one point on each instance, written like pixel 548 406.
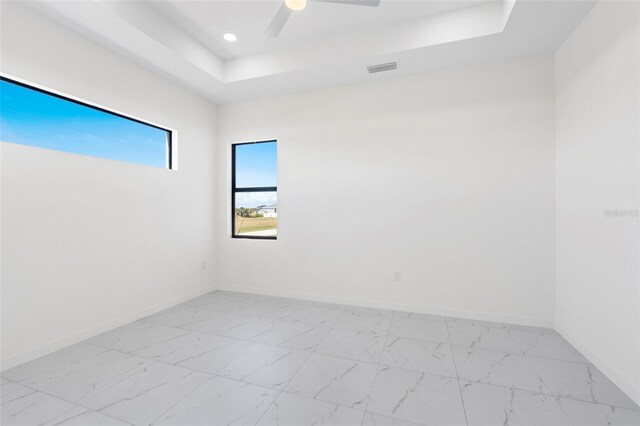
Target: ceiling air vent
pixel 389 66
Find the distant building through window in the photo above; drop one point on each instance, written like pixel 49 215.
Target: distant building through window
pixel 254 190
pixel 36 117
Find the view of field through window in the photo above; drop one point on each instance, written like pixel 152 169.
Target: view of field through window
pixel 255 192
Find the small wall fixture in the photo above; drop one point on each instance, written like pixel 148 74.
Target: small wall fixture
pixel 389 66
pixel 230 37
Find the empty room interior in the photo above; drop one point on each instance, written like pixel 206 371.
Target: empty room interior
pixel 320 212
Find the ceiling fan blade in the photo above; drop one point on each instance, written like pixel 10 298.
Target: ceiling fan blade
pixel 374 3
pixel 278 21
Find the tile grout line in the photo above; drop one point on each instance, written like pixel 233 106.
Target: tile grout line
pixel 180 400
pixel 384 347
pixel 344 309
pixel 508 330
pixel 265 387
pixel 281 390
pixel 556 398
pixel 315 325
pixel 309 354
pixel 75 404
pixel 292 377
pixel 455 367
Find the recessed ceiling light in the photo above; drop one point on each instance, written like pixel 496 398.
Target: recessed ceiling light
pixel 230 37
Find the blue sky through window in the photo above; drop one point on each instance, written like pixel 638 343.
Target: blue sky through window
pixel 256 166
pixel 30 117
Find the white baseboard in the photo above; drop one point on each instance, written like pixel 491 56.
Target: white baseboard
pixel 480 316
pixel 56 345
pixel 632 390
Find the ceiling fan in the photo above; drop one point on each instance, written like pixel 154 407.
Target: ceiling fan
pixel 289 6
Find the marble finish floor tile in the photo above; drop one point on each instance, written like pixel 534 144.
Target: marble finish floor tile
pixel 433 331
pixel 183 347
pixel 293 335
pixel 492 324
pixel 419 355
pixel 220 401
pixel 417 397
pixel 250 329
pixel 338 380
pixel 496 405
pixel 21 405
pixel 229 305
pixel 497 368
pixel 590 414
pixel 142 397
pixel 531 329
pixel 265 365
pixel 209 300
pixel 78 380
pixel 180 316
pixel 11 390
pixel 307 313
pixel 263 306
pixel 323 305
pixel 358 345
pixel 232 325
pixel 365 319
pixel 546 345
pixel 472 336
pixel 136 336
pixel 419 316
pixel 229 358
pixel 292 410
pixel 81 416
pixel 61 359
pixel 476 323
pixel 201 352
pixel 373 419
pixel 580 381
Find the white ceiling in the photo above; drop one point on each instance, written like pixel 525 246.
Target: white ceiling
pixel 325 45
pixel 207 21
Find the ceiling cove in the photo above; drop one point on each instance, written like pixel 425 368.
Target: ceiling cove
pixel 325 44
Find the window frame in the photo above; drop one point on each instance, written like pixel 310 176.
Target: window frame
pixel 235 190
pixel 170 133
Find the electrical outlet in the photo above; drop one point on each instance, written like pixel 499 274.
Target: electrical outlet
pixel 397 277
pixel 204 266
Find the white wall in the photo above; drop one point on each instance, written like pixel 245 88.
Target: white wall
pixel 446 177
pixel 598 169
pixel 87 243
pixel 456 166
